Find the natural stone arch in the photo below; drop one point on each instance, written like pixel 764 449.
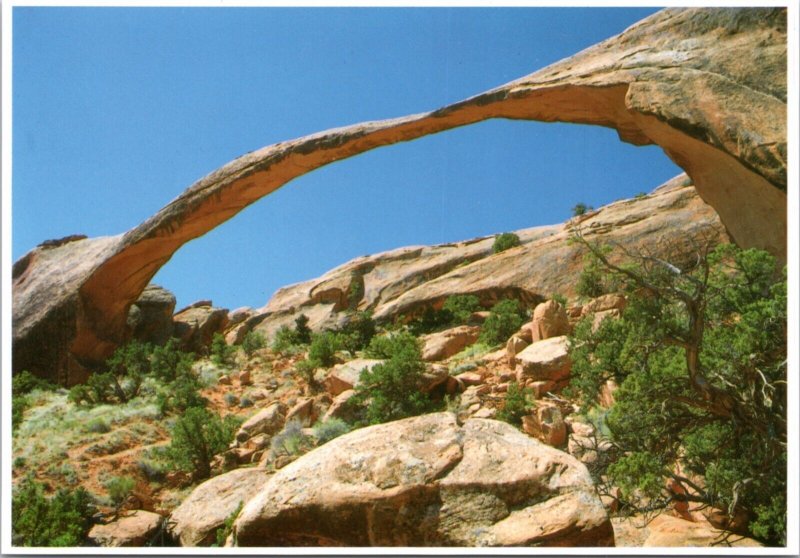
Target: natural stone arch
pixel 707 85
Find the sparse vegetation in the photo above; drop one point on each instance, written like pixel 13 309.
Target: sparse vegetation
pixel 460 308
pixel 330 429
pixel 221 353
pixel 581 208
pixel 224 531
pixel 290 441
pixel 119 490
pixel 252 342
pixel 503 242
pixel 323 348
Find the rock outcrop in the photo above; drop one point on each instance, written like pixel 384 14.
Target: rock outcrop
pixel 135 528
pixel 428 481
pixel 707 85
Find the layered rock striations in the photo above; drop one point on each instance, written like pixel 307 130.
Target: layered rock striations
pixel 707 85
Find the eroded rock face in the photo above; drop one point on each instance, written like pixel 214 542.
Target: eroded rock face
pixel 707 85
pixel 426 481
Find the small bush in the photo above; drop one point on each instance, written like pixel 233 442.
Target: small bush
pixel 286 341
pixel 357 332
pixel 63 520
pixel 561 299
pixel 169 363
pixel 197 437
pixel 25 382
pixel 517 404
pixel 505 241
pixel 290 441
pixel 330 429
pixel 98 426
pixel 252 342
pixel 245 402
pixel 429 321
pixel 230 399
pixel 580 209
pixel 506 317
pixel 323 348
pixel 223 532
pixel 390 391
pixel 461 307
pixel 301 329
pixel 591 281
pixel 384 346
pixel 306 369
pixel 119 490
pixel 181 394
pixel 221 352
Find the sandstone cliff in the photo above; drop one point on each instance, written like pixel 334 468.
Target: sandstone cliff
pixel 707 85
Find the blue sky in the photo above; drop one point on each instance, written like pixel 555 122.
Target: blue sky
pixel 117 110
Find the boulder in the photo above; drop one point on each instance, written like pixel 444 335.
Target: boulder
pixel 302 411
pixel 196 325
pixel 515 345
pixel 343 377
pixel 207 507
pixel 546 423
pixel 267 421
pixel 150 317
pixel 433 376
pixel 135 528
pixel 549 320
pixel 546 360
pixel 604 303
pixel 599 317
pixel 339 408
pixel 444 344
pixel 426 481
pixel 669 531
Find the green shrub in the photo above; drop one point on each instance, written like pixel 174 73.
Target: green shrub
pixel 323 348
pixel 169 362
pixel 580 209
pixel 230 399
pixel 461 307
pixel 301 330
pixel 357 332
pixel 306 369
pixel 25 382
pixel 505 241
pixel 221 353
pixel 429 321
pixel 245 402
pixel 181 394
pixel 119 490
pixel 98 426
pixel 384 346
pixel 330 429
pixel 290 440
pixel 252 342
pixel 505 319
pixel 286 341
pixel 561 299
pixel 197 437
pixel 62 520
pixel 19 404
pixel 517 404
pixel 391 390
pixel 223 532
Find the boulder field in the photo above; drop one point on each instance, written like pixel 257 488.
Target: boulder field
pixel 707 85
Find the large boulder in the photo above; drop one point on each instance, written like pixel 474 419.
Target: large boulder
pixel 268 420
pixel 343 377
pixel 150 317
pixel 546 360
pixel 444 344
pixel 196 325
pixel 135 528
pixel 197 519
pixel 426 481
pixel 549 320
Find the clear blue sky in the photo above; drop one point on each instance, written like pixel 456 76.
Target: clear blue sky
pixel 116 111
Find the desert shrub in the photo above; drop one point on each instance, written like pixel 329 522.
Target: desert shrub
pixel 25 382
pixel 180 394
pixel 384 346
pixel 461 307
pixel 390 391
pixel 580 209
pixel 290 440
pixel 119 489
pixel 288 341
pixel 306 369
pixel 169 362
pixel 121 381
pixel 359 330
pixel 155 464
pixel 98 426
pixel 429 321
pixel 62 520
pixel 505 319
pixel 245 402
pixel 699 354
pixel 230 399
pixel 323 348
pixel 505 241
pixel 517 404
pixel 197 436
pixel 221 353
pixel 561 299
pixel 301 329
pixel 330 429
pixel 252 342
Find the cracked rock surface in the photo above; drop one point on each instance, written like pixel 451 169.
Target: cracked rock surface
pixel 428 481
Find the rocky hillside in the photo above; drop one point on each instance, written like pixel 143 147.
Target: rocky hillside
pixel 707 85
